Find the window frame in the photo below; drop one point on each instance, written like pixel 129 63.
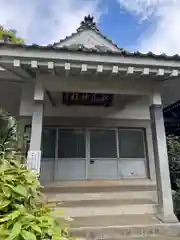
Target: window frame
pixel 102 129
pixel 71 128
pixel 55 146
pixel 87 140
pixel 138 129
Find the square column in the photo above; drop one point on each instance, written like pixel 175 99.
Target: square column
pixel 166 211
pixel 34 153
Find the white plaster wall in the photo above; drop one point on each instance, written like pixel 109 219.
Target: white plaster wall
pixel 134 110
pixel 97 83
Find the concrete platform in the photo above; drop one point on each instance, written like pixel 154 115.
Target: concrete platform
pixel 118 227
pixel 112 209
pixel 156 238
pixel 141 238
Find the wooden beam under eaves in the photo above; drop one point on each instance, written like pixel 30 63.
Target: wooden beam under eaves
pixel 35 68
pixel 67 68
pixel 99 69
pixel 130 71
pixel 124 72
pixel 16 69
pixel 51 68
pixel 160 72
pixel 174 73
pixel 51 100
pixel 26 72
pixel 171 74
pixel 34 64
pixel 84 68
pixel 145 71
pixel 115 70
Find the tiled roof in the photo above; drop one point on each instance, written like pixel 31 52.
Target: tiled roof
pixel 82 48
pixel 89 23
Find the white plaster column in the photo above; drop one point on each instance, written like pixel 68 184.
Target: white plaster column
pixel 165 211
pixel 34 153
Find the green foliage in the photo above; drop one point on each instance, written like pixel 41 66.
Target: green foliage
pixel 23 215
pixel 176 201
pixel 10 35
pixel 8 133
pixel 11 138
pixel 173 145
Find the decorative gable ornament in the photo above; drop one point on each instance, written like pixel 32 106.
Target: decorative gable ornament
pixel 88 23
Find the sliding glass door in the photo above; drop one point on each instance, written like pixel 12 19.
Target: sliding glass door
pixel 94 153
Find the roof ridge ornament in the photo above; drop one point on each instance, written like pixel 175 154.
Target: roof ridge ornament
pixel 88 23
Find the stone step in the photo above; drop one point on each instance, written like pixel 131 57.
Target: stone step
pixel 81 211
pixel 97 189
pixel 154 238
pixel 142 238
pixel 53 197
pixel 97 186
pixel 89 183
pixel 104 203
pixel 114 220
pixel 143 233
pixel 120 227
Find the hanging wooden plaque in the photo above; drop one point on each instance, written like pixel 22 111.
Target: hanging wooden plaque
pixel 88 99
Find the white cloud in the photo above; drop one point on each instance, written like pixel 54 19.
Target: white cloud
pixel 164 16
pixel 45 21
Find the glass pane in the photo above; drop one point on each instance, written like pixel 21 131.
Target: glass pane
pixel 71 143
pixel 103 144
pixel 131 144
pixel 49 142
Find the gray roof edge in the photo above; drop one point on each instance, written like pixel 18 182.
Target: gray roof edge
pixel 82 49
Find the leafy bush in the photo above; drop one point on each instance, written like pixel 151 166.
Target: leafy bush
pixel 23 215
pixel 8 131
pixel 9 35
pixel 173 145
pixel 176 201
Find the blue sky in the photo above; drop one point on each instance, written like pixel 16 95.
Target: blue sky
pixel 144 25
pixel 122 25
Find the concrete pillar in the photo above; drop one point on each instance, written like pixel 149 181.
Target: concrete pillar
pixel 21 142
pixel 20 133
pixel 34 153
pixel 165 211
